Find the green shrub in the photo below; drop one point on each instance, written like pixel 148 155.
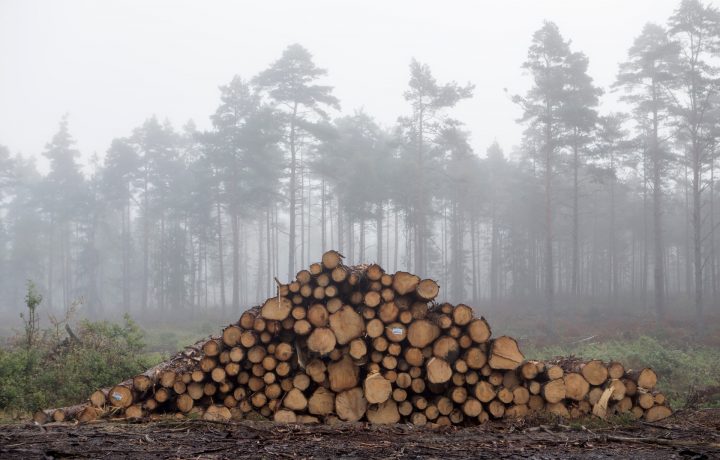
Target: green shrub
pixel 63 372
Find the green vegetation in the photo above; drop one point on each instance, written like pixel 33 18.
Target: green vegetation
pixel 60 366
pixel 686 372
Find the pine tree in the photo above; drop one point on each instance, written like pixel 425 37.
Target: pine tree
pixel 291 83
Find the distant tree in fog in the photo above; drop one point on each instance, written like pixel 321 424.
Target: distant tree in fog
pixel 291 82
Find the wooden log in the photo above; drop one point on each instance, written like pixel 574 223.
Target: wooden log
pixel 554 391
pixel 184 403
pixel 422 333
pixel 438 370
pixel 446 348
pixel 418 419
pixel 595 372
pixel 301 381
pixel 322 340
pixel 472 407
pixel 372 299
pixel 529 370
pixel 231 335
pixel 276 308
pixel 405 283
pixel 285 416
pixel 484 391
pixel 504 353
pixel 645 378
pixel 376 388
pixel 505 395
pixel 426 290
pixel 479 330
pixel 388 312
pixel 558 409
pixel 316 369
pixel 331 259
pixel 521 395
pixel 657 413
pixel 462 315
pixel 343 374
pixel 121 396
pixel 384 413
pixel 396 332
pixel 536 403
pixel 350 405
pixel 346 325
pixel 322 402
pixel 99 398
pixel 576 387
pixel 475 358
pixel 217 413
pixel 517 411
pixel 317 315
pixel 295 400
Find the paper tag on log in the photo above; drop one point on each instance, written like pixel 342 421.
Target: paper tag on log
pixel 117 396
pixel 397 330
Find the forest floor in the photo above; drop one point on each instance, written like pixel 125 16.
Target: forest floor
pixel 686 435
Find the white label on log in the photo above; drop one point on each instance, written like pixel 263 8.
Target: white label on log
pixel 117 396
pixel 397 330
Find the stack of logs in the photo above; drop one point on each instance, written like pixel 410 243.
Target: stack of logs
pixel 356 343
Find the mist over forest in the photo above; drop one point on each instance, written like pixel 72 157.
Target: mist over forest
pixel 590 210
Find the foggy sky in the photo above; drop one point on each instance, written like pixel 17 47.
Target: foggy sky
pixel 112 64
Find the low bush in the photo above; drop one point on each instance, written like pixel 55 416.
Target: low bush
pixel 62 366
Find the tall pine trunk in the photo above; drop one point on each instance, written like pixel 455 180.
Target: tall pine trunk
pixel 658 273
pixel 379 232
pixel 575 222
pixel 697 235
pixel 292 192
pixel 549 266
pixel 236 262
pixel 221 263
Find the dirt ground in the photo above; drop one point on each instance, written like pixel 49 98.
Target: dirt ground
pixel 686 435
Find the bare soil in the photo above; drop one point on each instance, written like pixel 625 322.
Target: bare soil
pixel 686 435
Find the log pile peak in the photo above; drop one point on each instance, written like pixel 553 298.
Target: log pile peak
pixel 343 343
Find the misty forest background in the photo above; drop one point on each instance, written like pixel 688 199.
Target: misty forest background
pixel 593 212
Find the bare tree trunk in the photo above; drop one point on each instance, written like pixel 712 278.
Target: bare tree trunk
pixel 361 249
pixel 126 254
pixel 549 266
pixel 323 218
pixel 475 261
pixel 302 215
pixel 697 236
pixel 713 260
pixel 457 258
pixel 146 242
pixel 161 290
pixel 308 230
pixel 260 283
pixel 494 254
pixel 420 221
pixel 613 265
pixel 379 229
pixel 659 275
pixel 269 245
pixel 575 222
pixel 396 243
pixel 292 192
pixel 235 262
pixel 221 263
pixel 340 228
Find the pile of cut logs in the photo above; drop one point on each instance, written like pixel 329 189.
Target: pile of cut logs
pixel 344 343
